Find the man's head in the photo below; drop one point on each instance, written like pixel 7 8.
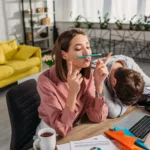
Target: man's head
pixel 129 85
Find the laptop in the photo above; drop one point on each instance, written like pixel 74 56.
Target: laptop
pixel 136 122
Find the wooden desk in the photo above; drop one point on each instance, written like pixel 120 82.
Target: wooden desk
pixel 87 130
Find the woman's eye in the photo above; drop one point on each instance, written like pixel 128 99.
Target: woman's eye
pixel 78 48
pixel 88 47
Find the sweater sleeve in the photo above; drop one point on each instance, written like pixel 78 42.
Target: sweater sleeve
pixel 51 111
pixel 115 107
pixel 97 109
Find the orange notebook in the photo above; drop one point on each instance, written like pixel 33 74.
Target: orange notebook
pixel 126 142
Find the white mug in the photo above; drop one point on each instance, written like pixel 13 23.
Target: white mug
pixel 46 139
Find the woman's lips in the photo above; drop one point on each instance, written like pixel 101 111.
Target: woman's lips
pixel 88 58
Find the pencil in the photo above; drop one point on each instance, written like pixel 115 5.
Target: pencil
pixel 92 55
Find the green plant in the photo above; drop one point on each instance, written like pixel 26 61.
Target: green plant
pixel 77 21
pixel 88 23
pixel 119 23
pixel 139 24
pixel 104 23
pixel 131 24
pixel 47 59
pixel 146 23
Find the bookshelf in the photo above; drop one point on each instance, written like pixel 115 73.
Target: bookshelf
pixel 37 24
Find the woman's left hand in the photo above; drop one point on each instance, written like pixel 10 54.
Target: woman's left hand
pixel 101 72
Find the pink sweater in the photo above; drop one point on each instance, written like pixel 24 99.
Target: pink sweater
pixel 56 114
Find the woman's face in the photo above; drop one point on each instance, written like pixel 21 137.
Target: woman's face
pixel 79 46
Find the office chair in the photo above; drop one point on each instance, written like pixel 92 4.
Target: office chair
pixel 22 102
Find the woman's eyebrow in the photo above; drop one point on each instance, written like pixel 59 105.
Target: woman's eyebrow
pixel 80 44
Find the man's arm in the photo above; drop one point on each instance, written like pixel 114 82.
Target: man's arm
pixel 115 107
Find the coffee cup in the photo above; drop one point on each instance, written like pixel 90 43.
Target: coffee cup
pixel 46 139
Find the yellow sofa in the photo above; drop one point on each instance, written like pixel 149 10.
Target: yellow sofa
pixel 18 61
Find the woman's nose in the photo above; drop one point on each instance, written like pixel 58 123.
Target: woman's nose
pixel 85 51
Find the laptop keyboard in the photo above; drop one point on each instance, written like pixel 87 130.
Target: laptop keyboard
pixel 142 127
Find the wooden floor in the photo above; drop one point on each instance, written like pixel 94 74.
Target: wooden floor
pixel 5 129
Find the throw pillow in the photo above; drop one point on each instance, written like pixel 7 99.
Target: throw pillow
pixel 25 52
pixel 2 56
pixel 9 48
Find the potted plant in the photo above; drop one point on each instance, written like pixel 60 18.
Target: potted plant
pixel 77 21
pixel 104 23
pixel 47 59
pixel 146 23
pixel 139 24
pixel 131 24
pixel 88 23
pixel 119 23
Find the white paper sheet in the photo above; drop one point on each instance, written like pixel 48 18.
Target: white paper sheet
pixel 100 142
pixel 147 91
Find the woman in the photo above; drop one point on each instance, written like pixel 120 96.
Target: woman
pixel 124 85
pixel 67 90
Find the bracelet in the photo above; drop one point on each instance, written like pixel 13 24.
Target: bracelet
pixel 99 95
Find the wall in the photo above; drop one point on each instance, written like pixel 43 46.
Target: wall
pixel 11 17
pixel 10 20
pixel 3 35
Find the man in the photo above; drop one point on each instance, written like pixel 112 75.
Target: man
pixel 124 84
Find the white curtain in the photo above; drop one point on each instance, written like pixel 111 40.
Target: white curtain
pixel 68 10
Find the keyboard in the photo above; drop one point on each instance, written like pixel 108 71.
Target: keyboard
pixel 141 128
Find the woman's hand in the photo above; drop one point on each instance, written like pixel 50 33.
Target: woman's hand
pixel 74 79
pixel 100 73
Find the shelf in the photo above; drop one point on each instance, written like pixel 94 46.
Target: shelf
pixel 45 13
pixel 33 1
pixel 45 50
pixel 37 27
pixel 39 39
pixel 32 22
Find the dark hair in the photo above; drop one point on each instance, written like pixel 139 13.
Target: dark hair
pixel 129 85
pixel 63 43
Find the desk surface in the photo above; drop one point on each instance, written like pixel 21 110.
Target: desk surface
pixel 87 130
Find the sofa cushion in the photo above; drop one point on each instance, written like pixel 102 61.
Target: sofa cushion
pixel 5 71
pixel 2 56
pixel 25 52
pixel 23 65
pixel 9 48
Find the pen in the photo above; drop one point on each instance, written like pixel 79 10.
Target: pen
pixel 92 55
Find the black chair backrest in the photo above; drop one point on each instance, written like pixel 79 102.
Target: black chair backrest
pixel 23 101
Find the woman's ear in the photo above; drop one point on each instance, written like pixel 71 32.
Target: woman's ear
pixel 64 54
pixel 114 81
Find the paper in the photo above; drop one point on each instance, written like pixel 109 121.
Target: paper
pixel 146 91
pixel 99 142
pixel 127 142
pixel 148 88
pixel 90 145
pixel 64 146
